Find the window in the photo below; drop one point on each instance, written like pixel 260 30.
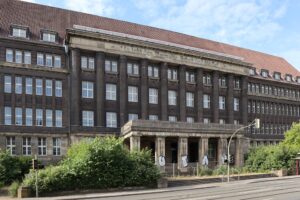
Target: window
pixel 57 61
pixel 111 119
pixel 19 32
pixel 58 118
pixel 9 55
pixel 87 118
pixel 236 104
pixel 172 98
pixel 132 69
pixel 153 117
pixel 252 72
pixel 298 80
pixel 7 115
pixel 189 99
pixel 206 120
pixel 40 59
pixel 222 121
pixel 87 63
pixel 222 82
pixel 7 84
pixel 172 118
pixel 132 116
pixel 49 37
pixel 237 84
pixel 28 82
pixel 153 95
pixel 56 146
pixel 236 122
pixel 206 101
pixel 190 77
pixel 172 74
pixel 49 60
pixel 48 88
pixel 39 117
pixel 133 94
pixel 49 116
pixel 19 56
pixel 153 71
pixel 28 113
pixel 18 116
pixel 111 92
pixel 26 146
pixel 221 102
pixel 39 86
pixel 18 85
pixel 277 76
pixel 87 89
pixel 42 146
pixel 288 78
pixel 207 79
pixel 11 145
pixel 190 119
pixel 264 74
pixel 111 66
pixel 58 88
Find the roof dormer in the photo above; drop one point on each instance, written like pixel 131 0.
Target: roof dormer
pixel 264 73
pixel 298 79
pixel 49 36
pixel 252 71
pixel 289 77
pixel 277 75
pixel 19 31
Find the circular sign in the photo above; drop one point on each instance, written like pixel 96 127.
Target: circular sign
pixel 184 161
pixel 161 161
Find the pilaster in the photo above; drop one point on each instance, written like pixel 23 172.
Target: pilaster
pixel 160 151
pixel 182 152
pixel 123 90
pixel 182 93
pixel 244 100
pixel 164 92
pixel 199 95
pixel 135 143
pixel 100 88
pixel 222 150
pixel 230 99
pixel 144 89
pixel 215 97
pixel 203 148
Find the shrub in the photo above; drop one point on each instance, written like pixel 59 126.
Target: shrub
pixel 102 163
pixel 204 171
pixel 13 189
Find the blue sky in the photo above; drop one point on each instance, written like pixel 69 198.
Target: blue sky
pixel 270 26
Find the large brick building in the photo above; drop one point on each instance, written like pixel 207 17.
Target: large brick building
pixel 67 75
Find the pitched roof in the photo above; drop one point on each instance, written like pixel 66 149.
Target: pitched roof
pixel 38 17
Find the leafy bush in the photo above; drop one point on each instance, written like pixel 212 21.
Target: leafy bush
pixel 12 167
pixel 204 171
pixel 102 163
pixel 13 188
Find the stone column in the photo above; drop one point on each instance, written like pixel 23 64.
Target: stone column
pixel 182 151
pixel 135 143
pixel 160 150
pixel 203 148
pixel 123 90
pixel 164 92
pixel 239 152
pixel 76 86
pixel 2 99
pixel 244 100
pixel 182 95
pixel 230 99
pixel 199 95
pixel 222 149
pixel 144 89
pixel 215 97
pixel 100 88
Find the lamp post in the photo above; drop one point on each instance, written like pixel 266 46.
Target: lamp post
pixel 256 123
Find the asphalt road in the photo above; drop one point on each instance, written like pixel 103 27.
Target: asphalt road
pixel 285 189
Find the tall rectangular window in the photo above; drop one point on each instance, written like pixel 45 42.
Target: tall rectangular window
pixel 87 63
pixel 132 116
pixel 111 66
pixel 26 146
pixel 236 104
pixel 18 85
pixel 206 101
pixel 189 99
pixel 18 57
pixel 27 58
pixel 58 118
pixel 42 146
pixel 172 118
pixel 153 95
pixel 153 71
pixel 133 95
pixel 7 115
pixel 57 61
pixel 48 88
pixel 58 88
pixel 190 119
pixel 190 77
pixel 222 82
pixel 39 117
pixel 56 146
pixel 49 60
pixel 87 89
pixel 172 98
pixel 111 92
pixel 87 118
pixel 40 59
pixel 28 85
pixel 207 79
pixel 11 145
pixel 49 116
pixel 111 119
pixel 172 74
pixel 18 116
pixel 28 113
pixel 153 117
pixel 132 69
pixel 206 120
pixel 221 102
pixel 39 86
pixel 9 55
pixel 7 84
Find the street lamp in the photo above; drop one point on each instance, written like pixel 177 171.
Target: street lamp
pixel 255 123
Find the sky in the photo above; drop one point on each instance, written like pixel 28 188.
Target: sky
pixel 270 26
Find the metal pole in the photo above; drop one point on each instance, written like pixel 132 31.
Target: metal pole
pixel 36 184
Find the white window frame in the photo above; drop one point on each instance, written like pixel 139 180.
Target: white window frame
pixel 19 32
pixel 7 115
pixel 133 94
pixel 153 71
pixel 26 146
pixel 18 56
pixel 28 87
pixel 18 85
pixel 57 62
pixel 39 86
pixel 18 116
pixel 172 118
pixel 133 116
pixel 111 66
pixel 87 118
pixel 56 146
pixel 153 117
pixel 58 118
pixel 206 101
pixel 236 104
pixel 42 146
pixel 222 103
pixel 49 60
pixel 40 59
pixel 132 69
pixel 9 55
pixel 111 91
pixel 172 97
pixel 7 84
pixel 111 119
pixel 58 88
pixel 190 99
pixel 206 120
pixel 27 57
pixel 49 118
pixel 49 37
pixel 153 96
pixel 87 89
pixel 39 117
pixel 11 145
pixel 49 87
pixel 28 117
pixel 190 120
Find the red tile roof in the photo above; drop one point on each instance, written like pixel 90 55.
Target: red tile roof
pixel 38 17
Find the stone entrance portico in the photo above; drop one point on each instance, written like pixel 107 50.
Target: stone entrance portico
pixel 193 140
